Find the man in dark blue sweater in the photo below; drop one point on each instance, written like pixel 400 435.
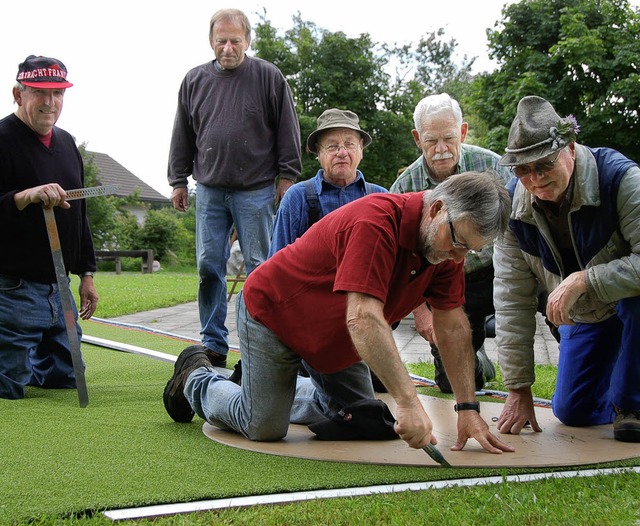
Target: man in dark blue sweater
pixel 236 133
pixel 38 162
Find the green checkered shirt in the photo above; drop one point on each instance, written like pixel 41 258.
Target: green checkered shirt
pixel 416 178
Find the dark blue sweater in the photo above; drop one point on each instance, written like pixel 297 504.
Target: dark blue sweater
pixel 25 163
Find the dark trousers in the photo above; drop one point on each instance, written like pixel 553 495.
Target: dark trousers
pixel 478 305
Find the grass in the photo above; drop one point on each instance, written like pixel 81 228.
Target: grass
pixel 61 465
pixel 132 292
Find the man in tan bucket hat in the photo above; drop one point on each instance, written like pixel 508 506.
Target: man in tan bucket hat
pixel 339 143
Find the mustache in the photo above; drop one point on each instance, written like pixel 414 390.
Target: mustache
pixel 442 156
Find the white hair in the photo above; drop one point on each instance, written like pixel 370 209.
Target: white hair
pixel 435 105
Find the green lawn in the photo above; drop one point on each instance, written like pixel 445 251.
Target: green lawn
pixel 61 464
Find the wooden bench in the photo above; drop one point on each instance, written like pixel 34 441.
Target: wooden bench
pixel 115 255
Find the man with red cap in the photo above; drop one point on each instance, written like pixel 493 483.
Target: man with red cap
pixel 38 162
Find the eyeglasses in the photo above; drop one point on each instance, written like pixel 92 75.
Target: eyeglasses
pixel 540 167
pixel 335 148
pixel 454 241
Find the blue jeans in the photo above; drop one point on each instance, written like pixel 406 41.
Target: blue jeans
pixel 34 347
pixel 217 211
pixel 599 367
pixel 271 394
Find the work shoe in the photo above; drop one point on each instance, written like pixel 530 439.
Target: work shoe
pixel 441 379
pixel 236 375
pixel 440 376
pixel 378 386
pixel 488 369
pixel 626 426
pixel 175 402
pixel 216 359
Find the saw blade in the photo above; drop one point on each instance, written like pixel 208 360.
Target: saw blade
pixel 94 191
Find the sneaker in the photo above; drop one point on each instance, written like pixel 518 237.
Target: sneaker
pixel 175 402
pixel 216 359
pixel 626 426
pixel 236 375
pixel 488 369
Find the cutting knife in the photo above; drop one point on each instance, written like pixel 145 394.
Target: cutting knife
pixel 435 454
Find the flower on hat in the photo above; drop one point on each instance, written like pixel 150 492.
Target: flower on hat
pixel 569 128
pixel 563 133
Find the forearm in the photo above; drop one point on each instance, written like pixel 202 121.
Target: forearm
pixel 373 339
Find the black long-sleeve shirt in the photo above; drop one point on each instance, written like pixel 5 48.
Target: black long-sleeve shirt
pixel 25 162
pixel 235 129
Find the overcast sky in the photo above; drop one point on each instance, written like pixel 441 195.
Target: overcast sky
pixel 127 58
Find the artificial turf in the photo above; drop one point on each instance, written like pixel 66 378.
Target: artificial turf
pixel 123 450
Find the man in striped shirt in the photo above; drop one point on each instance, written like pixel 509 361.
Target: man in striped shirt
pixel 440 133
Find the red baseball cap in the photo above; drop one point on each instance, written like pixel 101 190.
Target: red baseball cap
pixel 43 72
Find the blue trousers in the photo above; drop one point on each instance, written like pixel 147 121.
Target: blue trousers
pixel 272 394
pixel 599 368
pixel 34 348
pixel 217 211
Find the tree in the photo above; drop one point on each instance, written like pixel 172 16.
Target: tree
pixel 103 211
pixel 162 231
pixel 581 55
pixel 328 70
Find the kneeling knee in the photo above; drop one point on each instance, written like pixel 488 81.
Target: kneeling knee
pixel 574 415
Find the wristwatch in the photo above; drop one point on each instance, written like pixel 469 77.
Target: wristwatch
pixel 83 274
pixel 467 406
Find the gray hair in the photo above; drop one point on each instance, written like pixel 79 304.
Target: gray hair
pixel 436 105
pixel 478 197
pixel 20 87
pixel 234 15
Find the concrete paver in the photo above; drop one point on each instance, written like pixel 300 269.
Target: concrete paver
pixel 183 320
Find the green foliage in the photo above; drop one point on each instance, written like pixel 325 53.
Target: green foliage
pixel 581 55
pixel 103 213
pixel 330 70
pixel 170 234
pixel 162 231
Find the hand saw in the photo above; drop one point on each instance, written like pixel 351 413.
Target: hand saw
pixel 63 284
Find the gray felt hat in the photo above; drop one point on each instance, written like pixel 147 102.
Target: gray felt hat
pixel 335 118
pixel 537 131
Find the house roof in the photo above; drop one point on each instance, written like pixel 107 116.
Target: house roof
pixel 111 171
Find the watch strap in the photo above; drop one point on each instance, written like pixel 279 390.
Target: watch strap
pixel 467 406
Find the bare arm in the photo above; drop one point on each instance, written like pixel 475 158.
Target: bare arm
pixel 424 323
pixel 518 409
pixel 88 297
pixel 561 301
pixel 373 339
pixel 452 331
pixel 49 195
pixel 180 198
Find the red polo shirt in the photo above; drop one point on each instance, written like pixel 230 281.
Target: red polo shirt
pixel 366 246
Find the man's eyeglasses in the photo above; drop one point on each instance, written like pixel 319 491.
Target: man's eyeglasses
pixel 454 242
pixel 335 148
pixel 540 167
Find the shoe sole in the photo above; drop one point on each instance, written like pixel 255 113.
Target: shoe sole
pixel 627 435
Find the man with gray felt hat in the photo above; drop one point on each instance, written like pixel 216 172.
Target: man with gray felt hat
pixel 574 229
